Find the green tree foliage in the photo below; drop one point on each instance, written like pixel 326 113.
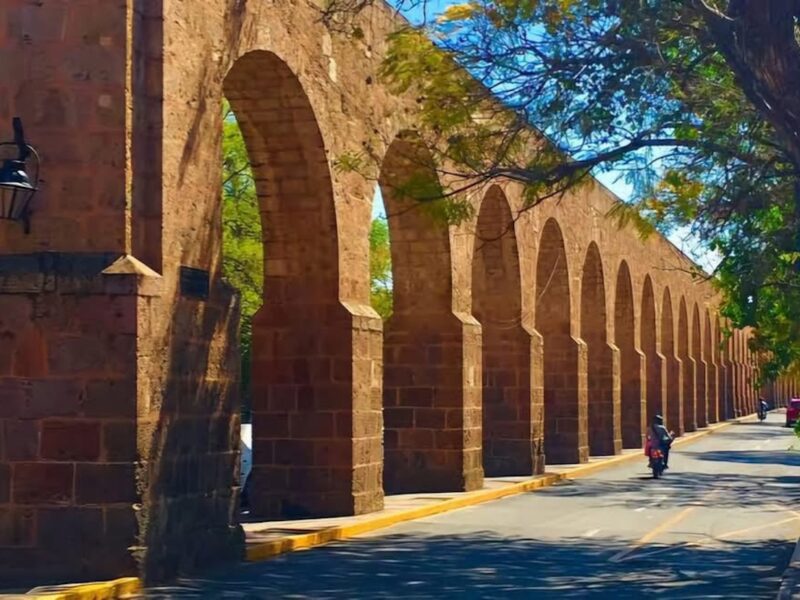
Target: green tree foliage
pixel 243 249
pixel 695 101
pixel 380 268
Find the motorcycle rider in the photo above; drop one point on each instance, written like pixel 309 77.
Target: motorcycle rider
pixel 763 407
pixel 661 438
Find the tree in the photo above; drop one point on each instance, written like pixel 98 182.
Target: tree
pixel 380 268
pixel 694 101
pixel 243 249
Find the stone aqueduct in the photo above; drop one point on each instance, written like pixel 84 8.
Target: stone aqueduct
pixel 119 414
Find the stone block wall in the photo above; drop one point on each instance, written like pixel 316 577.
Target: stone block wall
pixel 68 431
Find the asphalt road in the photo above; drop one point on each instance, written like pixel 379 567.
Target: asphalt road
pixel 721 524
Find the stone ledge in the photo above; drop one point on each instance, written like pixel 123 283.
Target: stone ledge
pixel 77 273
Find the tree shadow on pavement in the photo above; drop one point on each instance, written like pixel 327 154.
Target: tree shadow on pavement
pixel 484 565
pixel 753 457
pixel 759 431
pixel 724 490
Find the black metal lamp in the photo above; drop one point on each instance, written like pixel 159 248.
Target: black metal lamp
pixel 16 186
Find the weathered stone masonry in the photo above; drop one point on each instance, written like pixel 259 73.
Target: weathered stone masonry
pixel 119 415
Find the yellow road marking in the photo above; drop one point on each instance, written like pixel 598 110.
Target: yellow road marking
pixel 674 520
pixel 723 536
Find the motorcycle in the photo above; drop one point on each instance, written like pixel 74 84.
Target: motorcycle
pixel 762 414
pixel 656 462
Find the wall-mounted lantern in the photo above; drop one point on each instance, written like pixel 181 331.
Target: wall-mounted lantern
pixel 16 186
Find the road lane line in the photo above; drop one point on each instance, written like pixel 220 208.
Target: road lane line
pixel 654 533
pixel 710 540
pixel 723 536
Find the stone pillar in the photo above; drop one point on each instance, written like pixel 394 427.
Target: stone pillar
pixel 673 367
pixel 712 381
pixel 689 393
pixel 432 396
pixel 603 361
pixel 508 405
pixel 675 398
pixel 726 379
pixel 738 372
pixel 700 371
pixel 70 297
pixel 634 407
pixel 68 414
pixel 603 393
pixel 702 393
pixel 510 444
pixel 565 401
pixel 316 423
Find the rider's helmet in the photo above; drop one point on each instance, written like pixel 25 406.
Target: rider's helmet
pixel 658 420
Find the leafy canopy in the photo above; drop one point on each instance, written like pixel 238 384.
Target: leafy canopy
pixel 690 100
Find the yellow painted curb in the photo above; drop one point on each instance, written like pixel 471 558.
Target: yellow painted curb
pixel 126 587
pixel 265 550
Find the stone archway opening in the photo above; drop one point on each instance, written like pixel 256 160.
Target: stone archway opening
pixel 242 267
pixel 603 411
pixel 565 414
pixel 301 403
pixel 654 389
pixel 630 361
pixel 380 259
pixel 508 444
pixel 432 426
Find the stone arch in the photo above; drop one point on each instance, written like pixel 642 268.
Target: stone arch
pixel 605 436
pixel 426 410
pixel 674 393
pixel 418 240
pixel 303 462
pixel 508 436
pixel 697 353
pixel 654 360
pixel 712 362
pixel 688 369
pixel 632 398
pixel 566 439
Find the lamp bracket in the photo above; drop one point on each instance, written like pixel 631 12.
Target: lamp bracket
pixel 19 139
